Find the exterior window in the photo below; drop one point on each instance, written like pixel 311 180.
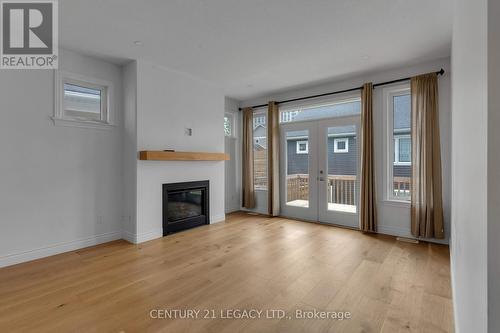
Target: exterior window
pixel 260 149
pixel 402 150
pixel 288 116
pixel 341 145
pixel 302 147
pixel 259 119
pixel 228 125
pixel 398 114
pixel 82 101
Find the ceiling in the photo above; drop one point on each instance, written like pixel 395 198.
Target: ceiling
pixel 253 47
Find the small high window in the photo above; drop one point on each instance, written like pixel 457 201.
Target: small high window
pixel 82 101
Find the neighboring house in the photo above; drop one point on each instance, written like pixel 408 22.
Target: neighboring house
pixel 260 131
pixel 342 142
pixel 342 152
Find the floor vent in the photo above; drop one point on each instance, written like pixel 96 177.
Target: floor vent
pixel 407 240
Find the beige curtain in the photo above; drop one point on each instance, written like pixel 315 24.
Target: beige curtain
pixel 273 157
pixel 426 199
pixel 247 185
pixel 368 213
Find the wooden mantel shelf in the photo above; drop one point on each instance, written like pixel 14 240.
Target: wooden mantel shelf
pixel 158 155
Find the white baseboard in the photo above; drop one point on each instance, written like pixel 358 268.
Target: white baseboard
pixel 149 235
pixel 16 258
pixel 232 209
pixel 142 237
pixel 405 232
pixel 217 218
pixel 158 233
pixel 394 231
pixel 129 237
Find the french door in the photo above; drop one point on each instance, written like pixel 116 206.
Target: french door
pixel 320 170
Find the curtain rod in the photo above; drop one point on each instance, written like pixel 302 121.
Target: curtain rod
pixel 440 72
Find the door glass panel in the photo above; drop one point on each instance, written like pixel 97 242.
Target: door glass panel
pixel 342 166
pixel 297 168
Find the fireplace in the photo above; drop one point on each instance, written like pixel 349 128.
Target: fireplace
pixel 185 206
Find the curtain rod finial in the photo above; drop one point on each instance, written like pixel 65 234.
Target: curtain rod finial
pixel 441 72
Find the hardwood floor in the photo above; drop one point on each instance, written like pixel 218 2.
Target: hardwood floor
pixel 248 262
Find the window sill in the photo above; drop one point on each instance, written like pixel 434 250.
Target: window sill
pixel 397 203
pixel 81 123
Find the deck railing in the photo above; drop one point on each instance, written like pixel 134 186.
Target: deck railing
pixel 297 187
pixel 342 189
pixel 402 188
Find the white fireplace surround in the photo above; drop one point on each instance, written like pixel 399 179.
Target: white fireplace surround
pixel 160 104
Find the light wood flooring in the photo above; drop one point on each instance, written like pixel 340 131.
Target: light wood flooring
pixel 248 262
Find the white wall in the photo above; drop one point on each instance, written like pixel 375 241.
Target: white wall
pixel 493 166
pixel 56 182
pixel 469 166
pixel 168 102
pixel 63 188
pixel 392 219
pixel 232 168
pixel 130 151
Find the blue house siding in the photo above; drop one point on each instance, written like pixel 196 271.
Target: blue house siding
pixel 402 171
pixel 342 163
pixel 338 163
pixel 297 163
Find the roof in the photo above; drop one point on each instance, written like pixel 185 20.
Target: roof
pixel 402 112
pixel 329 111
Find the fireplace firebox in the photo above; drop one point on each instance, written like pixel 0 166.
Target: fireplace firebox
pixel 185 206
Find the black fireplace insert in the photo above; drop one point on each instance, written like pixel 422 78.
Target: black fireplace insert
pixel 185 206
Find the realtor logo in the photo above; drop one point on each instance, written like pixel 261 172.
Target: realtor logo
pixel 29 34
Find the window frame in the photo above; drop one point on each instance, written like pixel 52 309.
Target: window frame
pixel 301 152
pixel 107 93
pixel 389 93
pixel 336 148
